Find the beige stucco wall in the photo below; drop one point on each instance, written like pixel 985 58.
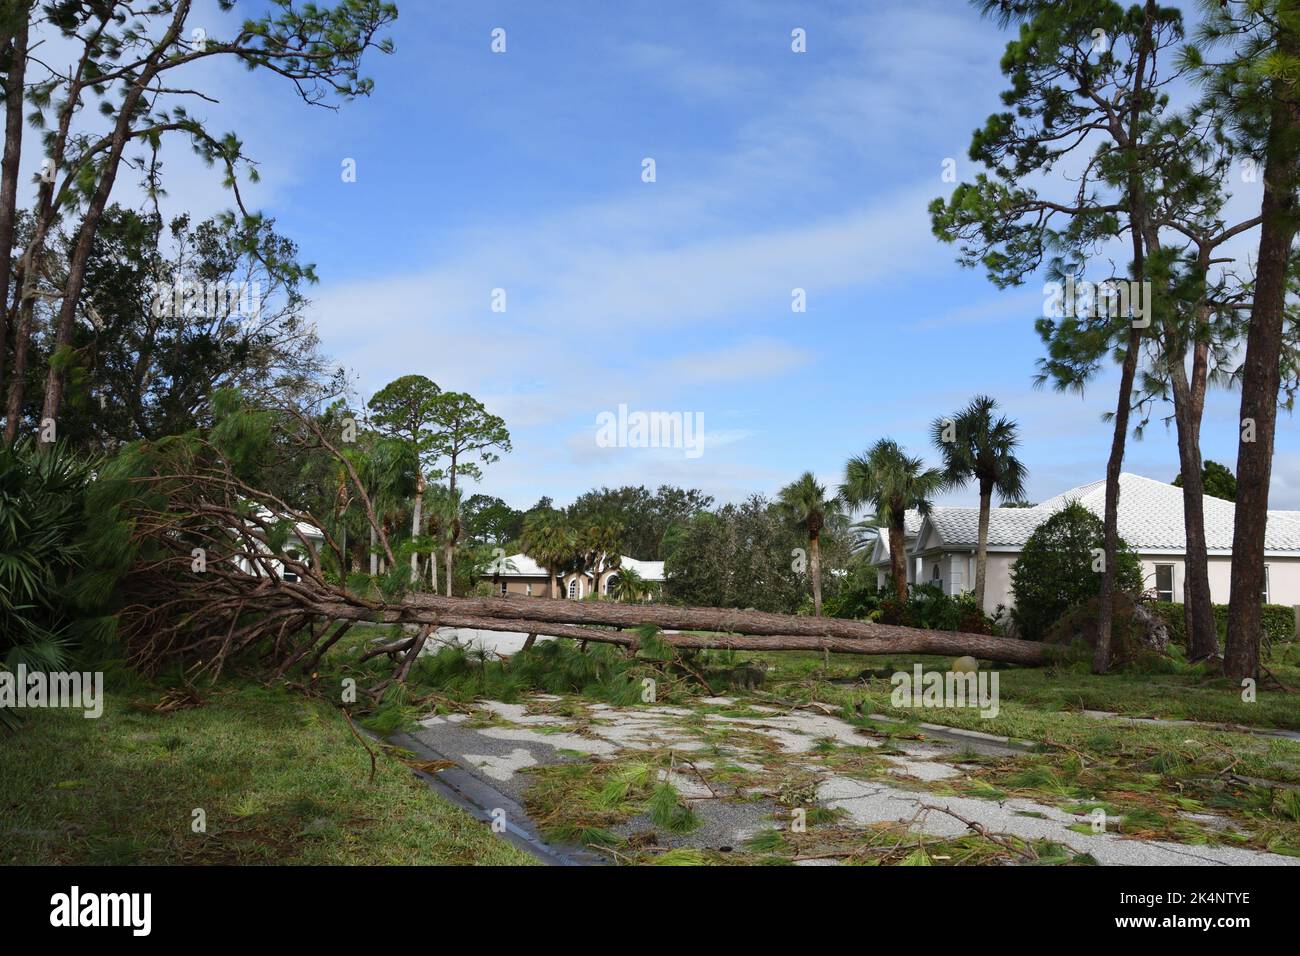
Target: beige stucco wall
pixel 520 586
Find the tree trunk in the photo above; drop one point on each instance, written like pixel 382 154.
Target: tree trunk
pixel 982 543
pixel 898 559
pixel 552 585
pixel 449 550
pixel 416 515
pixel 728 629
pixel 374 555
pixel 1138 230
pixel 1261 378
pixel 815 571
pixel 9 175
pixel 1198 609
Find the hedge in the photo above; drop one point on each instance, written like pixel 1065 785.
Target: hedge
pixel 1278 619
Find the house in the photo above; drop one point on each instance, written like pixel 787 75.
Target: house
pixel 522 576
pixel 942 549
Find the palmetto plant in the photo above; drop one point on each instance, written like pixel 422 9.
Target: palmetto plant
pixel 805 505
pixel 628 587
pixel 977 446
pixel 891 482
pixel 41 553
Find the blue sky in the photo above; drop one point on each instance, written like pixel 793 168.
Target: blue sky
pixel 774 170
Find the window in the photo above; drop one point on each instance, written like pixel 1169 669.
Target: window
pixel 503 589
pixel 528 590
pixel 1266 584
pixel 937 577
pixel 609 584
pixel 573 590
pixel 1164 582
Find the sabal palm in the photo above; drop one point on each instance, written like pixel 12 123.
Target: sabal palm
pixel 976 445
pixel 388 470
pixel 548 540
pixel 805 505
pixel 599 543
pixel 444 506
pixel 891 482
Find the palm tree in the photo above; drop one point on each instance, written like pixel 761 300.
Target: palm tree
pixel 805 505
pixel 445 526
pixel 387 468
pixel 549 541
pixel 974 445
pixel 599 543
pixel 886 479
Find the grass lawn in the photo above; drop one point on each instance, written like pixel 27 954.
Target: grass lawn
pixel 281 779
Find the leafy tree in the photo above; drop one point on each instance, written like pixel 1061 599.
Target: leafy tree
pixel 892 483
pixel 807 507
pixel 737 556
pixel 405 409
pixel 1217 481
pixel 1255 90
pixel 975 446
pixel 645 516
pixel 152 352
pixel 135 64
pixel 1056 569
pixel 463 430
pixel 489 520
pixel 1069 93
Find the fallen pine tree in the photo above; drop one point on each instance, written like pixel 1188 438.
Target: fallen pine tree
pixel 209 561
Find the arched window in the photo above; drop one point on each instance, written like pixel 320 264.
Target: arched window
pixel 610 584
pixel 573 590
pixel 937 577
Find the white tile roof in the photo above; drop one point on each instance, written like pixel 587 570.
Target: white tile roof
pixel 1150 519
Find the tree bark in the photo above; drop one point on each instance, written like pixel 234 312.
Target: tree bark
pixel 898 559
pixel 982 543
pixel 1261 378
pixel 14 90
pixel 815 570
pixel 886 639
pixel 416 515
pixel 1139 229
pixel 1189 403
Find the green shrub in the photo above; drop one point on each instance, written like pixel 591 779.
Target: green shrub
pixel 1278 620
pixel 1055 570
pixel 44 588
pixel 928 607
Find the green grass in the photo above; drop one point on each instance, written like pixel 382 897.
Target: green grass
pixel 280 777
